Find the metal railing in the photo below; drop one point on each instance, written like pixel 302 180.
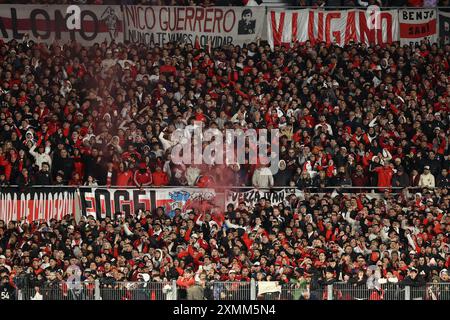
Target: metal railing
pixel 137 291
pixel 229 290
pixel 56 290
pixel 354 291
pixel 323 189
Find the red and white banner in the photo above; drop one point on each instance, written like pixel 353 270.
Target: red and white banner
pixel 285 27
pixel 198 26
pixel 184 199
pixel 417 25
pixel 50 23
pixel 37 203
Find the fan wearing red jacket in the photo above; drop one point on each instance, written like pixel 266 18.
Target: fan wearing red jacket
pixel 124 176
pixel 385 174
pixel 159 177
pixel 143 176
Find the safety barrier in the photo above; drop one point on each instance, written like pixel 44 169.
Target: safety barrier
pixel 229 290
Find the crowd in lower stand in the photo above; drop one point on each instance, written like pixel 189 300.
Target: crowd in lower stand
pixel 353 116
pixel 306 243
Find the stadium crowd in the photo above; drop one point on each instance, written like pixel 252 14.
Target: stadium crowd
pixel 354 116
pixel 103 115
pixel 306 243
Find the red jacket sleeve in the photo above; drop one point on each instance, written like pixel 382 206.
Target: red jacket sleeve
pixel 248 242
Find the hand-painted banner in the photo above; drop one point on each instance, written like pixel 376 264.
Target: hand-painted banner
pixel 285 27
pixel 37 203
pixel 444 27
pixel 184 199
pixel 253 196
pixel 215 26
pixel 417 25
pixel 103 202
pixel 50 23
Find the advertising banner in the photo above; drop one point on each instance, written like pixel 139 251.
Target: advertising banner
pixel 285 27
pixel 84 24
pixel 215 26
pixel 417 25
pixel 37 203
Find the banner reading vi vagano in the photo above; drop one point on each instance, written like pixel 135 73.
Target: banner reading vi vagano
pixel 285 27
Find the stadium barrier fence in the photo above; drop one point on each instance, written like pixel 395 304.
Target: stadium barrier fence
pixel 233 290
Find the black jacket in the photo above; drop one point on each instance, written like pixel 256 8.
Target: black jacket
pixel 66 165
pixel 7 292
pixel 417 286
pixel 400 180
pixel 43 178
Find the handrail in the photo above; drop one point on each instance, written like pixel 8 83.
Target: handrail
pixel 246 291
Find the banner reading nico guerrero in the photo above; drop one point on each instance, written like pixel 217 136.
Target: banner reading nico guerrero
pixel 193 25
pixel 98 23
pixel 340 27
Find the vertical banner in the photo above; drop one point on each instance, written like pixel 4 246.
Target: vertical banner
pixel 444 27
pixel 50 23
pixel 285 27
pixel 417 25
pixel 198 26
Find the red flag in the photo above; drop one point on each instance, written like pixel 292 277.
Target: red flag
pixel 196 43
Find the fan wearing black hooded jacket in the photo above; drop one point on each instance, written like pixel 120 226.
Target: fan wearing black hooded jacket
pixel 416 283
pixel 7 291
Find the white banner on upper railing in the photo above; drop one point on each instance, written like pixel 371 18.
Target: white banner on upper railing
pixel 285 27
pixel 253 196
pixel 198 26
pixel 50 23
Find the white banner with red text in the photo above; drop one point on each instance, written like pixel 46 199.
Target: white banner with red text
pixel 285 27
pixel 34 204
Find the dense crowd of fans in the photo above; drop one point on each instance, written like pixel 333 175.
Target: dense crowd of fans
pixel 305 243
pixel 358 115
pixel 103 115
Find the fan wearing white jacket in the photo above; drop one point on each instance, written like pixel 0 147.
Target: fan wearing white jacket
pixel 262 178
pixel 43 155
